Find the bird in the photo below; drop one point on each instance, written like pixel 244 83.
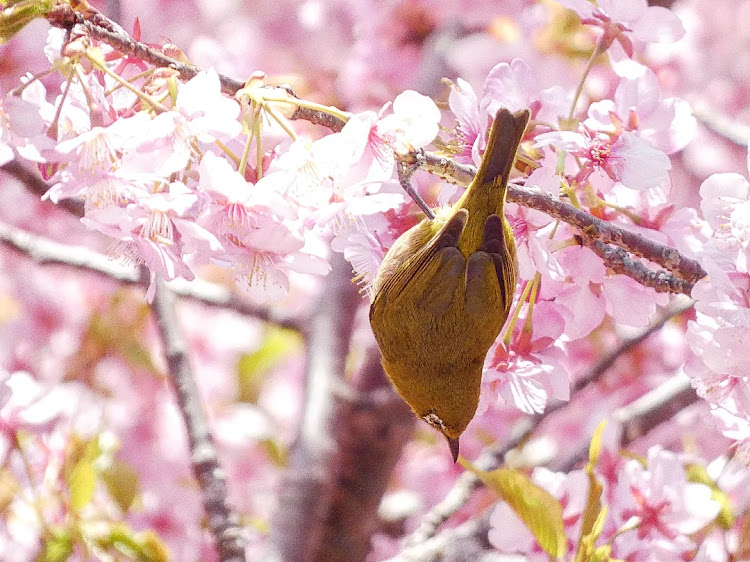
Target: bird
pixel 444 290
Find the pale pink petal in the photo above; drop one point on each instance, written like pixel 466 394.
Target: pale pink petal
pixel 6 153
pixel 719 193
pixel 569 141
pixel 640 164
pixel 584 8
pixel 464 104
pixel 623 11
pixel 629 302
pixel 658 25
pixel 512 86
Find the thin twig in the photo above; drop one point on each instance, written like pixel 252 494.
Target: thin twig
pixel 223 523
pixel 405 171
pixel 722 125
pixel 46 251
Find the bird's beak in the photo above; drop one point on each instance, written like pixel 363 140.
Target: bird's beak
pixel 453 445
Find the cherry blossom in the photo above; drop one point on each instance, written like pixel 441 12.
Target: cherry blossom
pixel 660 504
pixel 652 24
pixel 622 157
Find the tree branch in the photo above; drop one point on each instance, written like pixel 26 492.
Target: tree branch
pixel 306 494
pixel 349 440
pixel 46 251
pixel 211 477
pixel 591 227
pixel 722 125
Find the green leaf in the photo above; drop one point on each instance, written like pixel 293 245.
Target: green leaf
pixel 81 482
pixel 592 524
pixel 16 14
pixel 595 447
pixel 252 367
pixel 540 511
pixel 145 546
pixel 122 483
pixel 697 473
pixel 57 547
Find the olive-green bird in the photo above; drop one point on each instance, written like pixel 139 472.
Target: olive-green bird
pixel 444 290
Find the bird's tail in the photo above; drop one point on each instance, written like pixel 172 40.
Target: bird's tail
pixel 505 136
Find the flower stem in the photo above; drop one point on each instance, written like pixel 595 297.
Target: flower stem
pixel 598 50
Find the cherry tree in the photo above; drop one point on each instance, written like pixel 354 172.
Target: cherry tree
pixel 198 196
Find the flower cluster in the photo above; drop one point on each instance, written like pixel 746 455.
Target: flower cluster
pixel 189 181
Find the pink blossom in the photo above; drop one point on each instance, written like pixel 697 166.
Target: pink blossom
pixel 623 157
pixel 725 203
pixel 528 372
pixel 511 85
pixel 619 20
pixel 158 229
pixel 413 123
pixel 661 504
pixel 257 246
pixel 637 106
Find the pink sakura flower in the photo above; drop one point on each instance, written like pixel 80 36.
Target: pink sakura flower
pixel 413 123
pixel 247 219
pixel 637 106
pixel 725 203
pixel 235 204
pixel 661 504
pixel 513 86
pixel 22 129
pixel 718 335
pixel 529 372
pixel 364 244
pixel 717 339
pixel 619 20
pixel 622 156
pixel 589 293
pixel 157 229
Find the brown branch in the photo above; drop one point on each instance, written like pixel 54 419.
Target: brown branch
pixel 46 251
pixel 317 117
pixel 107 31
pixel 619 261
pixel 591 227
pixel 349 440
pixel 204 461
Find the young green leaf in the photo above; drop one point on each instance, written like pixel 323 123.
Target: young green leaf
pixel 540 511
